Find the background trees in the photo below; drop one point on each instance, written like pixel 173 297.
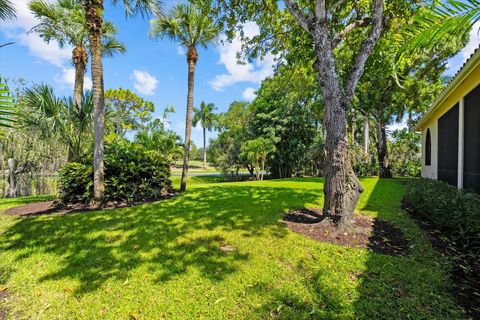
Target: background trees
pixel 207 119
pixel 190 27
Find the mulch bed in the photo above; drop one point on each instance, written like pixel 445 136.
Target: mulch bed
pixel 53 207
pixel 465 272
pixel 377 235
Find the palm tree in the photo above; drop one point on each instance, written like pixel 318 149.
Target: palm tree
pixel 94 16
pixel 7 107
pixel 191 27
pixel 207 118
pixel 449 20
pixel 41 110
pixel 64 21
pixel 7 12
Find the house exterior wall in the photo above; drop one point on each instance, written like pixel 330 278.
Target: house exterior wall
pixel 430 171
pixel 430 121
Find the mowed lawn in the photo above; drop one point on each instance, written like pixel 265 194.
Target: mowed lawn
pixel 218 251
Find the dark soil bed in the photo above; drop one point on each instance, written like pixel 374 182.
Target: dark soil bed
pixel 465 272
pixel 44 207
pixel 377 235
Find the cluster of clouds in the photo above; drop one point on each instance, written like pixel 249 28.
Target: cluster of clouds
pixel 250 72
pixel 19 31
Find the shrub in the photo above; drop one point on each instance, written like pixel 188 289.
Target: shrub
pixel 454 212
pixel 132 174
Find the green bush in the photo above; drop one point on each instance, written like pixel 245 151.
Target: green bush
pixel 132 174
pixel 454 212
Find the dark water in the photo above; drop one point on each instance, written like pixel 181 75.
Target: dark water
pixel 31 184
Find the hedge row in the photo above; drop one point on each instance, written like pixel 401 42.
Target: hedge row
pixel 454 212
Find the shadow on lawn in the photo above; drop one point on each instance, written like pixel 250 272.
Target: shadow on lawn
pixel 166 236
pixel 409 286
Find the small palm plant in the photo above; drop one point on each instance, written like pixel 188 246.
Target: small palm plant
pixel 190 27
pixel 64 21
pixel 7 107
pixel 207 118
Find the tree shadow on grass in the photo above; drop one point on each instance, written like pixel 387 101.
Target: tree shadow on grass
pixel 169 236
pixel 412 285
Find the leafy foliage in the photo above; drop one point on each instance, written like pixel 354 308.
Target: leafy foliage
pixel 7 12
pixel 7 107
pixel 455 212
pixel 132 174
pixel 405 147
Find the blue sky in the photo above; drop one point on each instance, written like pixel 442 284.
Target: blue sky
pixel 155 70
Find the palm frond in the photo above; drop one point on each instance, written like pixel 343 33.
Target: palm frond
pixel 7 12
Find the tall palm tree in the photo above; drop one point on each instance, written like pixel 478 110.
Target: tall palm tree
pixel 94 15
pixel 64 21
pixel 191 27
pixel 207 118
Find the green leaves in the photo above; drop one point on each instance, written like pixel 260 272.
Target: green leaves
pixel 7 106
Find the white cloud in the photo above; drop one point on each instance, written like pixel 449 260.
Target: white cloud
pixel 249 94
pixel 17 31
pixel 67 77
pixel 181 51
pixel 144 82
pixel 241 72
pixel 473 43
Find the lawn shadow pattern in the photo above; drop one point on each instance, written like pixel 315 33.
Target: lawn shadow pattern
pixel 94 247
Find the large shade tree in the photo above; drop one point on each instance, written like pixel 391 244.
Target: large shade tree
pixel 94 11
pixel 338 38
pixel 64 22
pixel 206 117
pixel 190 27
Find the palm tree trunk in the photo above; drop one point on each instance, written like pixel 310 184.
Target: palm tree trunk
pixel 204 148
pixel 94 13
pixel 192 57
pixel 79 58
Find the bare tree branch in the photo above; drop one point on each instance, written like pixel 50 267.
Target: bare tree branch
pixel 336 5
pixel 320 10
pixel 365 50
pixel 299 16
pixel 357 23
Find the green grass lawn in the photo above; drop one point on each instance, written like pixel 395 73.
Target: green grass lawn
pixel 164 260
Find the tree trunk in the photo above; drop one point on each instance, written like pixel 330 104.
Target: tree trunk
pixel 192 57
pixel 12 179
pixel 94 13
pixel 366 135
pixel 79 57
pixel 204 148
pixel 382 150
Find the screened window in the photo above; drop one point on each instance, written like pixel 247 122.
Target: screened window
pixel 428 149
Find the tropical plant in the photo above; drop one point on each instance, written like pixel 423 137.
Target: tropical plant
pixel 190 27
pixel 207 118
pixel 257 151
pixel 7 107
pixel 126 110
pixel 443 22
pixel 7 12
pixel 64 21
pixel 50 115
pixel 94 16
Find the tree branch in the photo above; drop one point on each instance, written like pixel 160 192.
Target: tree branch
pixel 320 10
pixel 302 19
pixel 365 50
pixel 357 23
pixel 336 5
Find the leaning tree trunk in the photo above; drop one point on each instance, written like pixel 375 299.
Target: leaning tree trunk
pixel 12 179
pixel 382 149
pixel 192 57
pixel 94 13
pixel 80 59
pixel 366 135
pixel 204 148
